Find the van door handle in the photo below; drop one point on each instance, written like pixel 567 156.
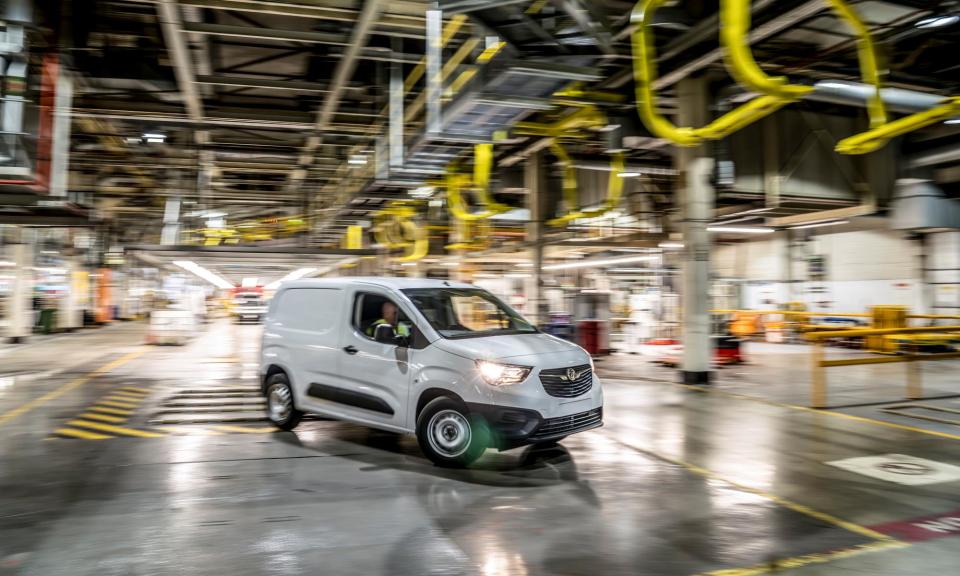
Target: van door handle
pixel 350 350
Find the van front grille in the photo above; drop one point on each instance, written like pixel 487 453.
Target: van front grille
pixel 563 425
pixel 567 382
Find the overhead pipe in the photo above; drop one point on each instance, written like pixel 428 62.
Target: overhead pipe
pixel 571 188
pixel 482 167
pixel 645 77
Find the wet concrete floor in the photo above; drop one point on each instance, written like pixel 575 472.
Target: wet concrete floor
pixel 120 458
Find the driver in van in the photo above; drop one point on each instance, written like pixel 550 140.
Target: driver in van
pixel 390 312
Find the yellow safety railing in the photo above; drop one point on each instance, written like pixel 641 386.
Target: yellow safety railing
pixel 818 382
pixel 645 75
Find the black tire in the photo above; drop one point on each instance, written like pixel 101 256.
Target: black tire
pixel 278 390
pixel 448 435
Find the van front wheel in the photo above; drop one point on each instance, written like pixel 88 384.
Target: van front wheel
pixel 448 435
pixel 280 409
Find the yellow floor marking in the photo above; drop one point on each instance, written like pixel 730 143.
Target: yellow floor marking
pixel 806 510
pixel 116 404
pixel 824 412
pixel 190 431
pixel 246 429
pixel 103 417
pixel 806 559
pixel 81 434
pixel 133 390
pixel 73 384
pixel 119 398
pixel 106 410
pixel 121 430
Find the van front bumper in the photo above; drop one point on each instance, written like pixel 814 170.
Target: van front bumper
pixel 512 427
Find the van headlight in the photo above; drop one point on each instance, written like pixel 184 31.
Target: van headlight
pixel 496 374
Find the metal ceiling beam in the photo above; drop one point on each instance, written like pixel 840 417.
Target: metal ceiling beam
pixel 304 10
pixel 267 33
pixel 341 75
pixel 168 12
pixel 263 83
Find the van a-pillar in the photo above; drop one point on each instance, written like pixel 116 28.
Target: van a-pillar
pixel 696 211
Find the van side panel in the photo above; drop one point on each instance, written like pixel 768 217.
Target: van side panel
pixel 301 336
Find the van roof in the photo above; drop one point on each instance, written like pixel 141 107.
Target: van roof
pixel 384 281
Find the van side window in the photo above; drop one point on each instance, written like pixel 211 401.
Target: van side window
pixel 314 309
pixel 372 309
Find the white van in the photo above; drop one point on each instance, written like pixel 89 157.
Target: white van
pixel 444 360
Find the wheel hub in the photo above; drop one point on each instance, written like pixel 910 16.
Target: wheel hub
pixel 449 433
pixel 279 403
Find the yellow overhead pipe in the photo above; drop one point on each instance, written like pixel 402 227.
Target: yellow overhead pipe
pixel 877 137
pixel 735 26
pixel 412 237
pixel 645 75
pixel 482 167
pixel 570 188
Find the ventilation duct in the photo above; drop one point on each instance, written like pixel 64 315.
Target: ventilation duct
pixel 919 204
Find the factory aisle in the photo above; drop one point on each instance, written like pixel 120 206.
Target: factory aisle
pixel 124 458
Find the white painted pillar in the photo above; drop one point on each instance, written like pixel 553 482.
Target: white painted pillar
pixel 696 201
pixel 70 313
pixel 697 212
pixel 535 183
pixel 20 309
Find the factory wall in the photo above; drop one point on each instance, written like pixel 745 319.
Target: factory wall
pixel 843 272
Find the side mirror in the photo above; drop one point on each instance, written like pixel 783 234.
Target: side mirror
pixel 385 334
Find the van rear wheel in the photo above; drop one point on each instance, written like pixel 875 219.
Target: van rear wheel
pixel 280 409
pixel 448 435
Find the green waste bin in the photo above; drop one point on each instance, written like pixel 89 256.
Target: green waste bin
pixel 48 320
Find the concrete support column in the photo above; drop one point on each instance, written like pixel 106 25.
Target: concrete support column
pixel 70 314
pixel 20 309
pixel 536 184
pixel 696 208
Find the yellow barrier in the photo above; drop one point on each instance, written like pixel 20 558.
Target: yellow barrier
pixel 914 390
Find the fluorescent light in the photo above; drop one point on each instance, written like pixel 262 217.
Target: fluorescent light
pixel 740 229
pixel 952 121
pixel 938 21
pixel 670 245
pixel 357 160
pixel 7 263
pixel 295 275
pixel 203 273
pixel 451 264
pixel 408 263
pixel 153 135
pixel 818 224
pixel 628 174
pixel 422 192
pixel 516 275
pixel 599 263
pixel 249 282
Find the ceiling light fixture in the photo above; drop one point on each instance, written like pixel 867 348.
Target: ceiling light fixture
pixel 938 21
pixel 628 174
pixel 295 275
pixel 670 245
pixel 599 263
pixel 422 192
pixel 740 229
pixel 203 273
pixel 952 121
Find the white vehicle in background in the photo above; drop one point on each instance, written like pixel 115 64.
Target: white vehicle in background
pixel 446 361
pixel 249 307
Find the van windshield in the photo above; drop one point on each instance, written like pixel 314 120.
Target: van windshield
pixel 467 312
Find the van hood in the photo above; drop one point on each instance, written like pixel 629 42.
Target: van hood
pixel 506 346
